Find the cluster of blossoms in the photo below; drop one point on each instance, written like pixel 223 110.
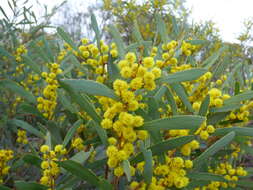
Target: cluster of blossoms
pixel 187 48
pixel 205 130
pixel 77 143
pixel 93 56
pixel 50 168
pixel 22 138
pixel 19 52
pixel 231 175
pixel 5 157
pixel 170 174
pixel 47 102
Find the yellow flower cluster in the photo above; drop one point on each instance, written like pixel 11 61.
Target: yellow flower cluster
pixel 168 175
pixel 201 91
pixel 216 97
pixel 19 52
pixel 77 143
pixel 205 130
pixel 142 74
pixel 5 157
pixel 168 55
pixel 49 166
pixel 187 48
pixel 229 173
pixel 114 51
pixel 47 103
pixel 187 149
pixel 222 79
pixel 22 138
pixel 242 113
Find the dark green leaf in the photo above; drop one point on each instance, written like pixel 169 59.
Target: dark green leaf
pixel 17 89
pixel 218 145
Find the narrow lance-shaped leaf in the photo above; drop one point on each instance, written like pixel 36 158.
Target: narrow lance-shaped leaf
pixel 175 122
pixel 118 40
pixel 95 28
pixel 240 131
pixel 29 128
pixel 127 169
pixel 66 37
pixel 182 76
pixel 240 97
pixel 17 89
pixel 164 146
pixel 148 166
pixel 218 145
pixel 71 132
pixel 83 102
pixel 161 27
pixel 180 91
pixel 171 101
pixel 100 131
pixel 204 106
pixel 83 173
pixel 34 66
pixel 205 176
pixel 89 87
pixel 21 185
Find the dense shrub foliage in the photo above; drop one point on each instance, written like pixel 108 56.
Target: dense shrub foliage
pixel 164 108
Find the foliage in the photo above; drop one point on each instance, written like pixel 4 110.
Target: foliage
pixel 140 110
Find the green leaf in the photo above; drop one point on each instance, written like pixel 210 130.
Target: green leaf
pixel 171 101
pixel 159 94
pixel 136 32
pixel 17 89
pixel 32 159
pixel 90 87
pixel 204 106
pixel 71 132
pixel 206 176
pixel 27 127
pixel 100 131
pixel 148 166
pixel 118 40
pixel 21 185
pixel 175 26
pixel 208 63
pixel 218 145
pixel 127 170
pixel 240 97
pixel 182 76
pixel 180 91
pixel 4 188
pixel 164 146
pixel 245 183
pixel 65 102
pixel 113 70
pixel 82 156
pixel 66 37
pixel 197 42
pixel 216 117
pixel 33 65
pixel 82 172
pixel 83 102
pixel 3 52
pixel 27 108
pixel 95 28
pixel 175 122
pixel 225 108
pixel 241 131
pixel 161 28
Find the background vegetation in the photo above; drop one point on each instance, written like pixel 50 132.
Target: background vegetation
pixel 128 95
